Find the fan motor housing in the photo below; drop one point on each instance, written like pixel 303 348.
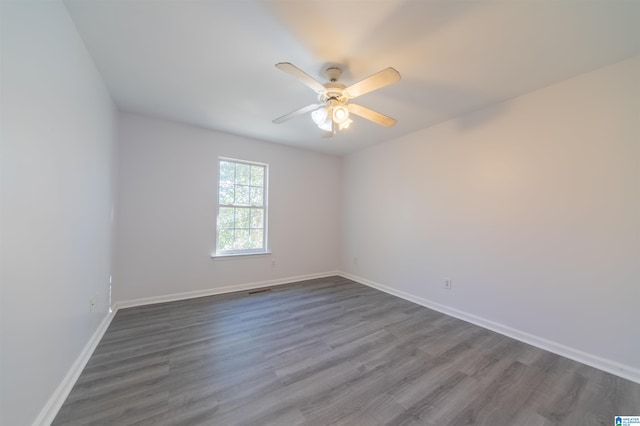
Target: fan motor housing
pixel 335 91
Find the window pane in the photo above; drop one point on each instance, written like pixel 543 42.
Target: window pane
pixel 242 218
pixel 256 238
pixel 241 207
pixel 256 196
pixel 242 240
pixel 243 174
pixel 226 217
pixel 242 195
pixel 257 175
pixel 257 218
pixel 227 172
pixel 225 239
pixel 226 194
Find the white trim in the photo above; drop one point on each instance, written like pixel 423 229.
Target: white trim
pixel 238 255
pixel 219 290
pixel 237 160
pixel 51 408
pixel 613 367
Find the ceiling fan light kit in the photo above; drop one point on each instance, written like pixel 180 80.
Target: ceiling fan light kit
pixel 327 117
pixel 333 110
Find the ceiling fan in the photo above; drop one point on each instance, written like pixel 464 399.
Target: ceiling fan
pixel 331 112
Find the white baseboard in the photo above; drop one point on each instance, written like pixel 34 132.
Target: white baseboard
pixel 218 290
pixel 613 367
pixel 49 411
pixel 51 408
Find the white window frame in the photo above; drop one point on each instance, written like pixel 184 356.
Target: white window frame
pixel 265 208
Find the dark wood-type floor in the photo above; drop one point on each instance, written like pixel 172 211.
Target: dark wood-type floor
pixel 329 351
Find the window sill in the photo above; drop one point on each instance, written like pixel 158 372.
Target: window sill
pixel 239 255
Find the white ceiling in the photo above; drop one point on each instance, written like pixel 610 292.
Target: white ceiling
pixel 211 63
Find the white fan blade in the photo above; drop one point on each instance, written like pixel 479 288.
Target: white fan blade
pixel 296 113
pixel 376 81
pixel 302 76
pixel 371 115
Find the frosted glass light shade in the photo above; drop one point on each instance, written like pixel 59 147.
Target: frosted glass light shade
pixel 326 125
pixel 340 114
pixel 345 124
pixel 319 116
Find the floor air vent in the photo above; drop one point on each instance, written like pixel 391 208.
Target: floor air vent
pixel 260 290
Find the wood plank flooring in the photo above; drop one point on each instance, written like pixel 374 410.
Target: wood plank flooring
pixel 329 351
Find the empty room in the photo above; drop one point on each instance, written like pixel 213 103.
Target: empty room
pixel 320 212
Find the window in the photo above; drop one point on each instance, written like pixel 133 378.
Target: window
pixel 242 207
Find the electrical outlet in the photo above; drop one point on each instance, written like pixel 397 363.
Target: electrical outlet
pixel 447 284
pixel 273 263
pixel 92 304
